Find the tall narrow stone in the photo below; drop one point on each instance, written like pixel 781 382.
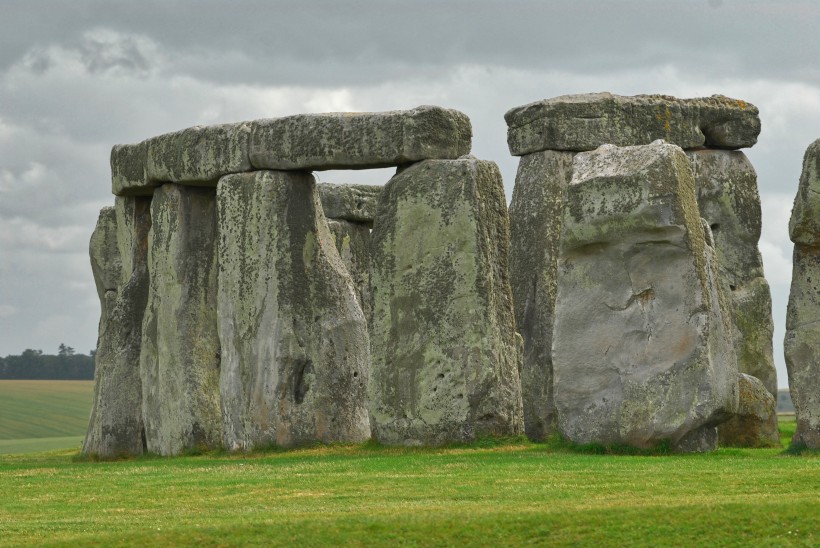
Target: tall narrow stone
pixel 642 346
pixel 802 343
pixel 119 248
pixel 536 212
pixel 179 364
pixel 295 351
pixel 352 241
pixel 446 357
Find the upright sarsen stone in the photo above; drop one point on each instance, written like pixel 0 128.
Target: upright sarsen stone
pixel 295 351
pixel 536 213
pixel 642 346
pixel 446 357
pixel 179 364
pixel 119 248
pixel 352 241
pixel 354 203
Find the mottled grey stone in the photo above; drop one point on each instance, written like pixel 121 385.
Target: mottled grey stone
pixel 728 199
pixel 179 364
pixel 358 140
pixel 295 351
pixel 119 248
pixel 804 225
pixel 755 423
pixel 536 212
pixel 128 170
pixel 446 357
pixel 356 203
pixel 584 122
pixel 642 345
pixel 352 241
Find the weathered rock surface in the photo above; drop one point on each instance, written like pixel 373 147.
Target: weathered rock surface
pixel 295 351
pixel 536 212
pixel 804 225
pixel 728 199
pixel 584 122
pixel 179 364
pixel 358 140
pixel 352 241
pixel 642 345
pixel 128 170
pixel 755 424
pixel 118 250
pixel 355 203
pixel 446 357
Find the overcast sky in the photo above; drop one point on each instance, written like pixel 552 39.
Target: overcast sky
pixel 78 77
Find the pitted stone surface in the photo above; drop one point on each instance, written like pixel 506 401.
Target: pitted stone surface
pixel 352 241
pixel 755 423
pixel 295 350
pixel 355 203
pixel 128 170
pixel 804 225
pixel 358 140
pixel 536 212
pixel 446 357
pixel 642 347
pixel 179 363
pixel 118 250
pixel 584 122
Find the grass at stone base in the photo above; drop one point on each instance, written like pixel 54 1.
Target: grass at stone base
pixel 509 493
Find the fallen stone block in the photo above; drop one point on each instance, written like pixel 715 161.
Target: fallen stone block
pixel 587 121
pixel 446 356
pixel 359 140
pixel 755 423
pixel 354 203
pixel 295 349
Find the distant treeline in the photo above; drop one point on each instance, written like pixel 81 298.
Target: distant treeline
pixel 66 365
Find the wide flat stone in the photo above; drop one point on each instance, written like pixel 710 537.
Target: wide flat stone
pixel 359 140
pixel 804 225
pixel 587 121
pixel 295 349
pixel 128 170
pixel 355 203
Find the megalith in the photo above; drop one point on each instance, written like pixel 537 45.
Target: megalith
pixel 642 341
pixel 295 350
pixel 755 423
pixel 802 342
pixel 119 249
pixel 445 353
pixel 179 363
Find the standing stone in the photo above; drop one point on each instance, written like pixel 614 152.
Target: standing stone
pixel 352 241
pixel 755 423
pixel 446 357
pixel 802 343
pixel 119 248
pixel 179 364
pixel 536 212
pixel 295 350
pixel 355 203
pixel 642 347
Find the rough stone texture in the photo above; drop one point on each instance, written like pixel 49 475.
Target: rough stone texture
pixel 128 170
pixel 728 199
pixel 118 249
pixel 295 349
pixel 358 140
pixel 536 212
pixel 446 357
pixel 356 203
pixel 179 364
pixel 352 241
pixel 804 226
pixel 584 122
pixel 642 346
pixel 755 424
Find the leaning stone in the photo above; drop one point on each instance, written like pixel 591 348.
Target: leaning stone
pixel 802 344
pixel 352 241
pixel 355 203
pixel 446 357
pixel 128 170
pixel 358 140
pixel 119 249
pixel 585 122
pixel 199 155
pixel 642 348
pixel 804 226
pixel 755 424
pixel 295 349
pixel 179 364
pixel 536 213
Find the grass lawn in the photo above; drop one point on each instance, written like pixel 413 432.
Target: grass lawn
pixel 44 409
pixel 512 493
